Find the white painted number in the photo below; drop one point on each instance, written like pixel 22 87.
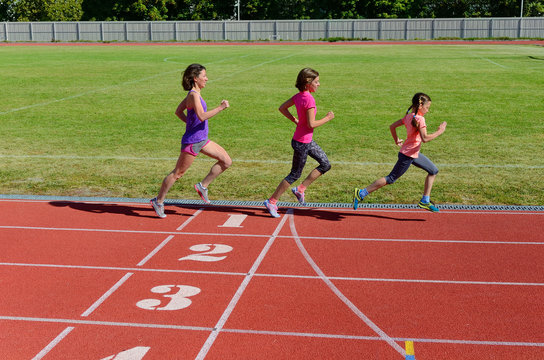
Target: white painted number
pixel 178 300
pixel 234 221
pixel 136 353
pixel 208 252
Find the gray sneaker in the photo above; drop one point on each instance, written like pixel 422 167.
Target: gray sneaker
pixel 203 192
pixel 159 208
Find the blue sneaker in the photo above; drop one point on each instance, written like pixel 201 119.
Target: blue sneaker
pixel 356 198
pixel 298 195
pixel 272 209
pixel 428 206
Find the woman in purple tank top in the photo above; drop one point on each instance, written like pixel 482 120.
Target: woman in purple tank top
pixel 195 139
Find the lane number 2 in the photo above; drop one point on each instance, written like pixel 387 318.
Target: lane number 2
pixel 208 252
pixel 136 353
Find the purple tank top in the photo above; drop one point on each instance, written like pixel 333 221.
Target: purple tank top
pixel 195 130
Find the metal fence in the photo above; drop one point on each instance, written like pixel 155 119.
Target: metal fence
pixel 378 29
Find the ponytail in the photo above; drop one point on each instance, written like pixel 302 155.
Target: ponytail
pixel 419 99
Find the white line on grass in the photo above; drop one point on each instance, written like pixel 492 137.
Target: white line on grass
pixel 339 294
pixel 107 88
pixel 491 61
pixel 258 161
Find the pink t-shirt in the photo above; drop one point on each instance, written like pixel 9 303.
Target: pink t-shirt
pixel 304 101
pixel 412 144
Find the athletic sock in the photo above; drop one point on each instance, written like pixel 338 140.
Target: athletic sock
pixel 273 201
pixel 426 199
pixel 301 188
pixel 363 193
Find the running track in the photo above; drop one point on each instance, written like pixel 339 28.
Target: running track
pixel 109 280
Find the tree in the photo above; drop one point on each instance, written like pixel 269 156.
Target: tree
pixel 46 10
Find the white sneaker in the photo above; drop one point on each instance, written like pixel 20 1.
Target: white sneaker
pixel 203 192
pixel 159 208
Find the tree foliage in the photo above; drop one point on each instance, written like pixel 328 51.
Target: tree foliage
pixel 156 10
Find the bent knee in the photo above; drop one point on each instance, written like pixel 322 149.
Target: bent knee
pixel 226 163
pixel 323 168
pixel 390 180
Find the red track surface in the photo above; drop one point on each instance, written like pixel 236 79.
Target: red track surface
pixel 98 280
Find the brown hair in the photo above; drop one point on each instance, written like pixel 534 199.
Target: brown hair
pixel 305 76
pixel 418 100
pixel 188 79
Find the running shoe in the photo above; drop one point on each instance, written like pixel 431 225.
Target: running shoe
pixel 428 206
pixel 159 208
pixel 203 192
pixel 298 195
pixel 272 209
pixel 356 198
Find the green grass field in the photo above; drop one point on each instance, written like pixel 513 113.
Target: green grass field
pixel 99 120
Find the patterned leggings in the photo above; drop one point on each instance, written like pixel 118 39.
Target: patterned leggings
pixel 302 151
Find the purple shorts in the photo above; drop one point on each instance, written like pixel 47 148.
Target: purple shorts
pixel 195 148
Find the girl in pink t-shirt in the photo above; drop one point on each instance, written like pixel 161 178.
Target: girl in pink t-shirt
pixel 416 133
pixel 302 142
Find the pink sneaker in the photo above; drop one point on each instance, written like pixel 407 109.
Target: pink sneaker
pixel 299 195
pixel 272 209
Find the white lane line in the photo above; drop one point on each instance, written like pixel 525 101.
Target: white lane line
pixel 106 295
pixel 167 240
pixel 105 323
pixel 53 343
pixel 224 317
pixel 156 250
pixel 424 281
pixel 279 236
pixel 265 332
pixel 340 295
pixel 189 220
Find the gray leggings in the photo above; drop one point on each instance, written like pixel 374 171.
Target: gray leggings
pixel 302 151
pixel 404 163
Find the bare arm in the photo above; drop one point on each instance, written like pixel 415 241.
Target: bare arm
pixel 284 109
pixel 193 101
pixel 428 137
pixel 180 110
pixel 393 128
pixel 313 123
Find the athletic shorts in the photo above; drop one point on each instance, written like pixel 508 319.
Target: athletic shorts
pixel 195 148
